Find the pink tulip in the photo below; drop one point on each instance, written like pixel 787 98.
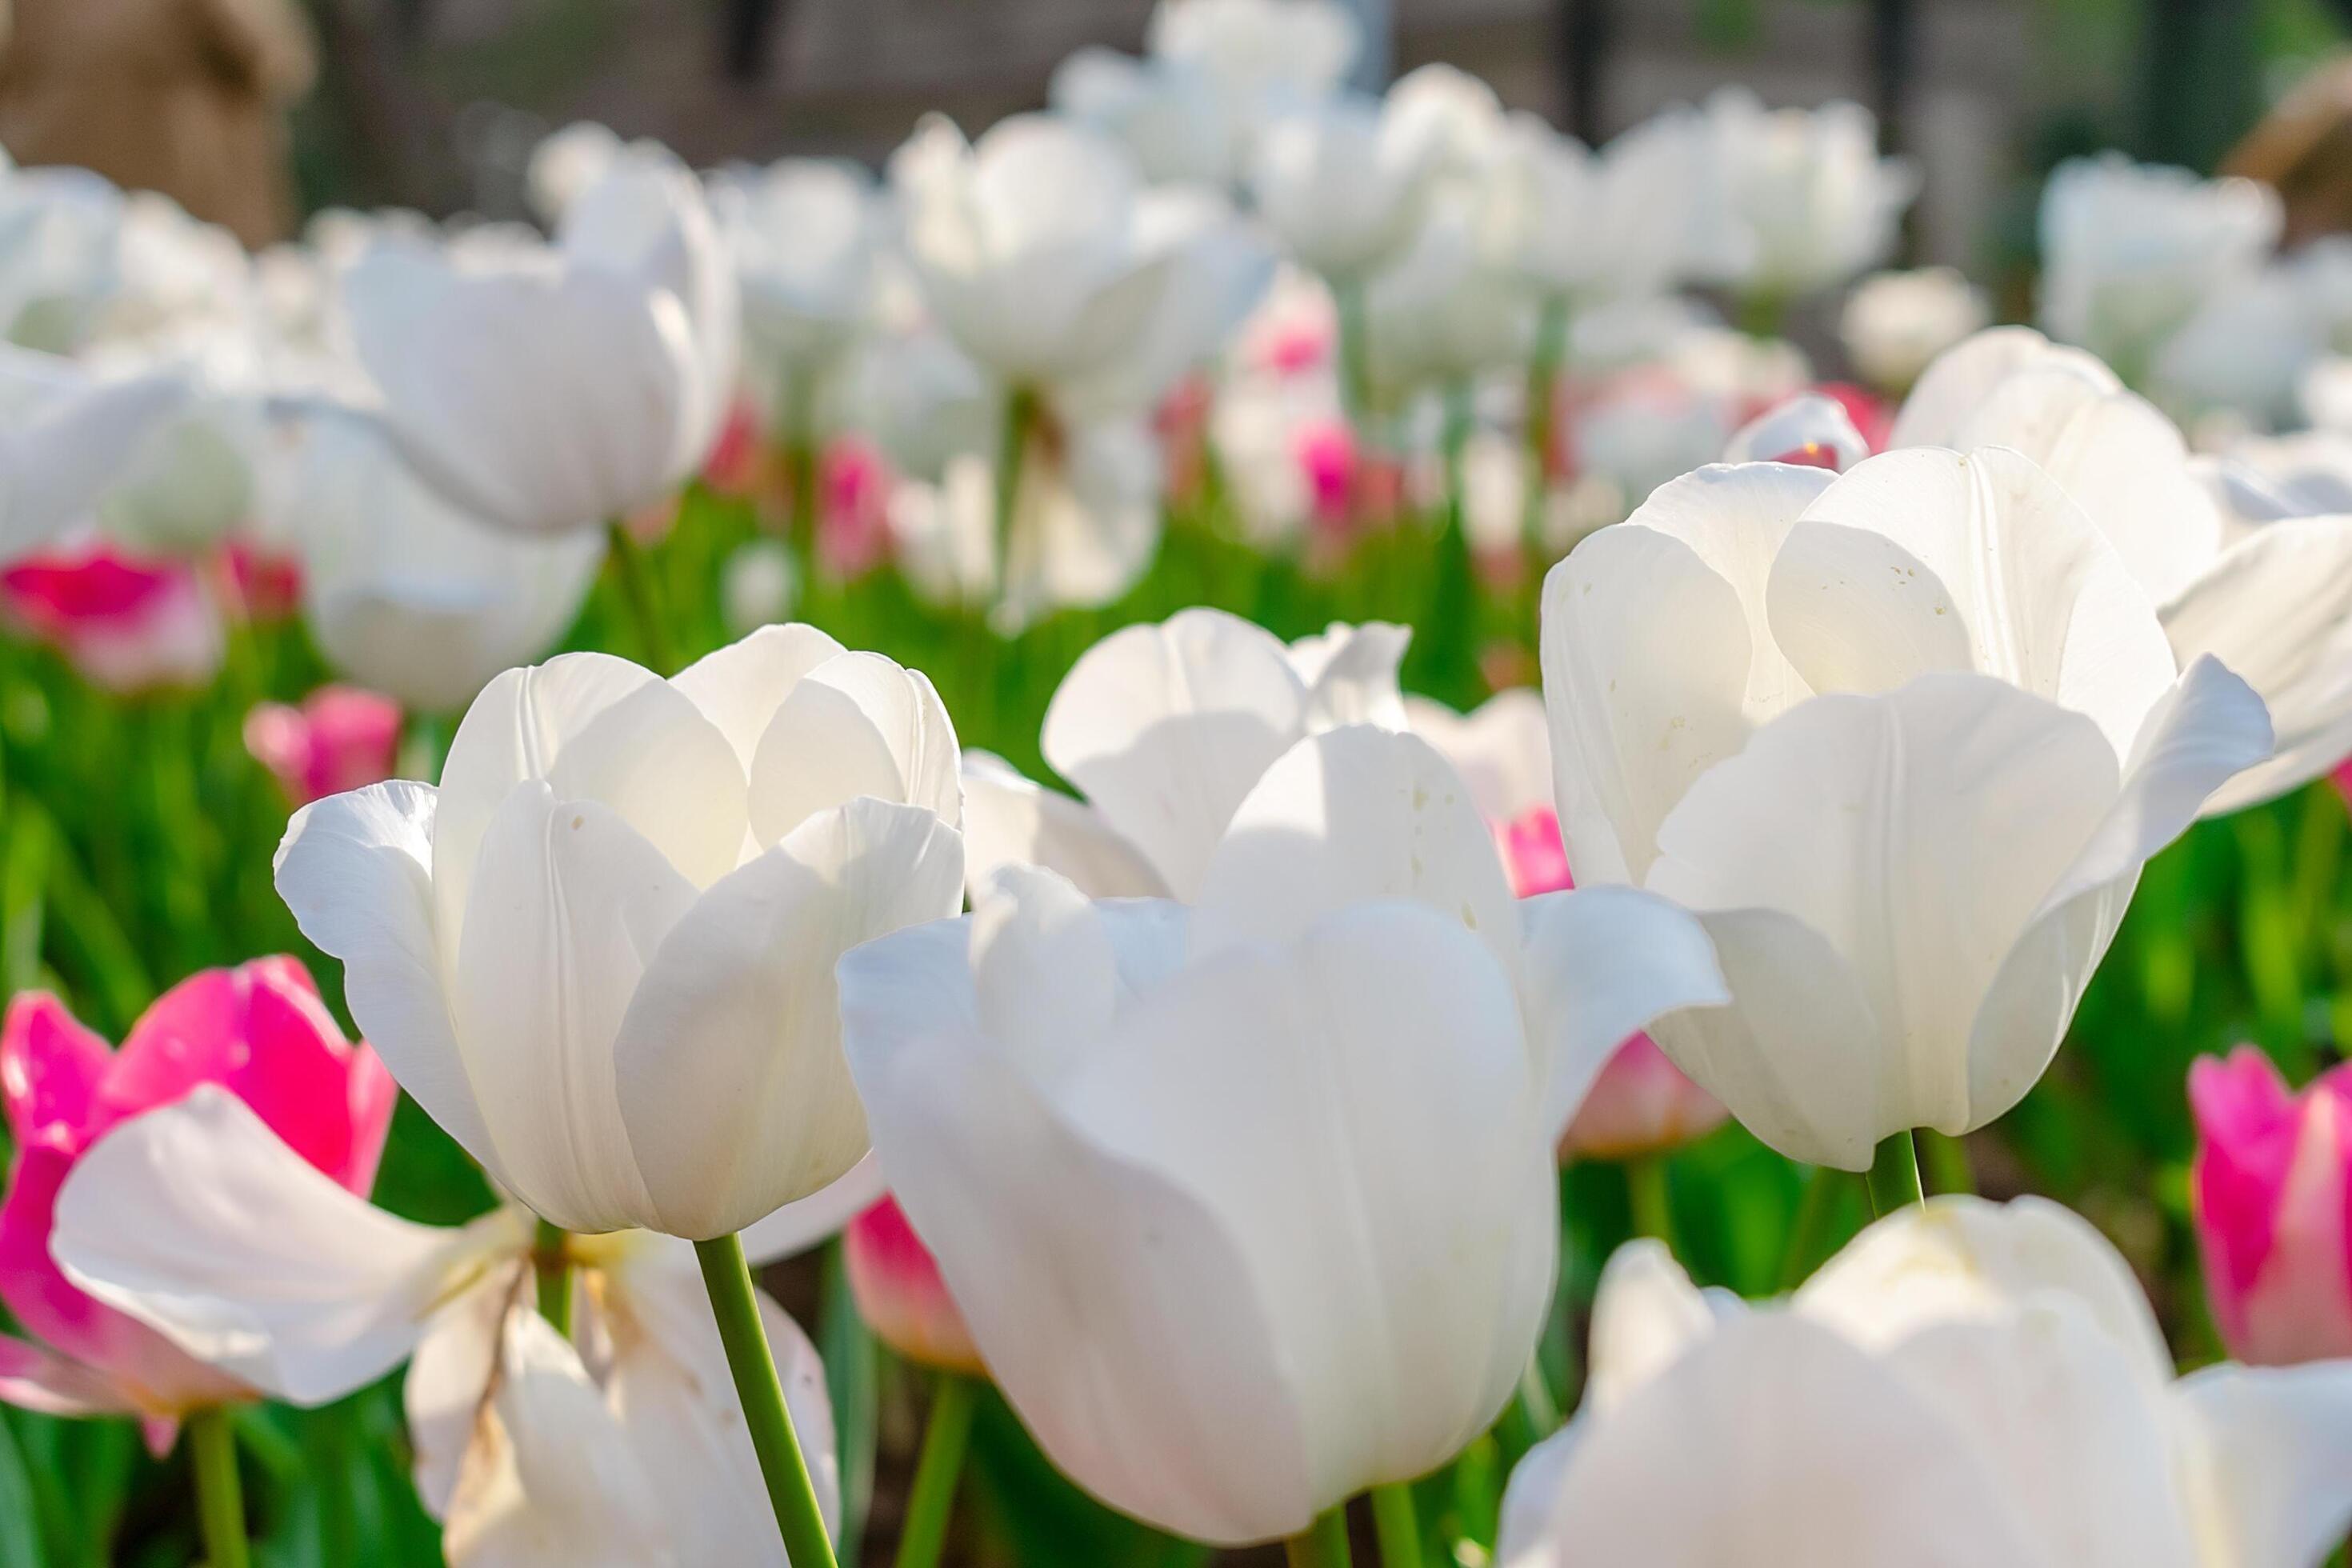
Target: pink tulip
pixel 2344 782
pixel 1641 1103
pixel 126 625
pixel 1327 455
pixel 341 737
pixel 737 462
pixel 853 497
pixel 263 587
pixel 2273 1189
pixel 258 1030
pixel 900 1292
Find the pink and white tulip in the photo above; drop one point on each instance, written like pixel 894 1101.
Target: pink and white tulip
pixel 339 738
pixel 126 625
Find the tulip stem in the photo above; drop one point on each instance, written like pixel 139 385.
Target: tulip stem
pixel 1811 1227
pixel 1021 413
pixel 220 1498
pixel 1894 1175
pixel 549 1258
pixel 1323 1545
pixel 727 1277
pixel 931 1502
pixel 1397 1525
pixel 637 588
pixel 1650 1194
pixel 1542 413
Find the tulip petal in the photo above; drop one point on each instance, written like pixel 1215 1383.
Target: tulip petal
pixel 1346 816
pixel 1964 375
pixel 732 1086
pixel 803 1223
pixel 1912 838
pixel 51 1067
pixel 1502 749
pixel 1646 1315
pixel 2271 1452
pixel 356 870
pixel 1182 1412
pixel 741 686
pixel 1009 820
pixel 1166 728
pixel 1602 964
pixel 570 906
pixel 856 725
pixel 449 1375
pixel 201 1222
pixel 37 1380
pixel 1351 674
pixel 1866 592
pixel 2278 609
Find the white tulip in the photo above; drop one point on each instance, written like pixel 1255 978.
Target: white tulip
pixel 65 438
pixel 630 1448
pixel 600 955
pixel 2130 251
pixel 545 390
pixel 405 592
pixel 59 237
pixel 566 163
pixel 1139 1139
pixel 1812 203
pixel 1911 877
pixel 1166 728
pixel 805 234
pixel 1967 1384
pixel 1810 429
pixel 1502 749
pixel 1439 313
pixel 2274 602
pixel 1895 323
pixel 2243 353
pixel 1341 183
pixel 1259 52
pixel 1169 116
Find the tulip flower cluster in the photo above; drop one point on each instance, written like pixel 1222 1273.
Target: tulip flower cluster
pixel 1245 781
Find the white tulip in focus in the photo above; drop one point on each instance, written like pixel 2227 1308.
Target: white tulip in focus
pixel 622 1444
pixel 1968 1385
pixel 1166 728
pixel 65 438
pixel 1905 738
pixel 600 954
pixel 2272 602
pixel 1141 1139
pixel 2131 251
pixel 1895 323
pixel 1812 203
pixel 551 389
pixel 403 591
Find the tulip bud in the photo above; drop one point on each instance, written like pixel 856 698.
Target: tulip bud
pixel 901 1294
pixel 2271 1181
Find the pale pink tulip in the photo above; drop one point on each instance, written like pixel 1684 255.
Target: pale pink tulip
pixel 341 737
pixel 853 518
pixel 901 1294
pixel 126 625
pixel 261 1032
pixel 2273 1185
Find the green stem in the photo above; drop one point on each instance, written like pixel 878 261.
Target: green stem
pixel 1021 411
pixel 1810 1228
pixel 1355 364
pixel 220 1499
pixel 1944 1164
pixel 1542 411
pixel 637 589
pixel 727 1277
pixel 1323 1545
pixel 1396 1526
pixel 1537 1406
pixel 1895 1175
pixel 1650 1197
pixel 931 1502
pixel 554 1269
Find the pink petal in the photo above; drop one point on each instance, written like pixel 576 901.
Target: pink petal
pixel 32 1379
pixel 1536 855
pixel 2246 1128
pixel 901 1294
pixel 1641 1104
pixel 51 1067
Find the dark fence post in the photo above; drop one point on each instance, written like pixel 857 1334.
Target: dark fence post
pixel 1581 39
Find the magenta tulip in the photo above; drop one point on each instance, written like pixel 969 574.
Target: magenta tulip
pixel 341 737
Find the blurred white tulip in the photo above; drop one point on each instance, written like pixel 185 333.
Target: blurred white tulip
pixel 1895 323
pixel 1810 201
pixel 1342 183
pixel 633 890
pixel 1910 877
pixel 2274 602
pixel 1967 1384
pixel 1139 1138
pixel 546 390
pixel 805 234
pixel 1583 225
pixel 65 438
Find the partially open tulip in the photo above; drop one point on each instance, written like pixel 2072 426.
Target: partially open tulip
pixel 339 739
pixel 1141 1139
pixel 126 624
pixel 1167 727
pixel 600 954
pixel 1811 202
pixel 901 1294
pixel 622 1443
pixel 1967 1384
pixel 2272 601
pixel 1904 737
pixel 260 1033
pixel 1343 183
pixel 2273 1182
pixel 1895 324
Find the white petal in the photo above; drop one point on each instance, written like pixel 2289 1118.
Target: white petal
pixel 727 1064
pixel 569 908
pixel 1957 382
pixel 1165 728
pixel 1602 963
pixel 1809 426
pixel 856 725
pixel 800 1225
pixel 1351 674
pixel 1349 816
pixel 356 870
pixel 450 1375
pixel 1646 1315
pixel 1012 821
pixel 198 1221
pixel 2278 609
pixel 1864 592
pixel 2270 1451
pixel 1502 749
pixel 1913 836
pixel 739 686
